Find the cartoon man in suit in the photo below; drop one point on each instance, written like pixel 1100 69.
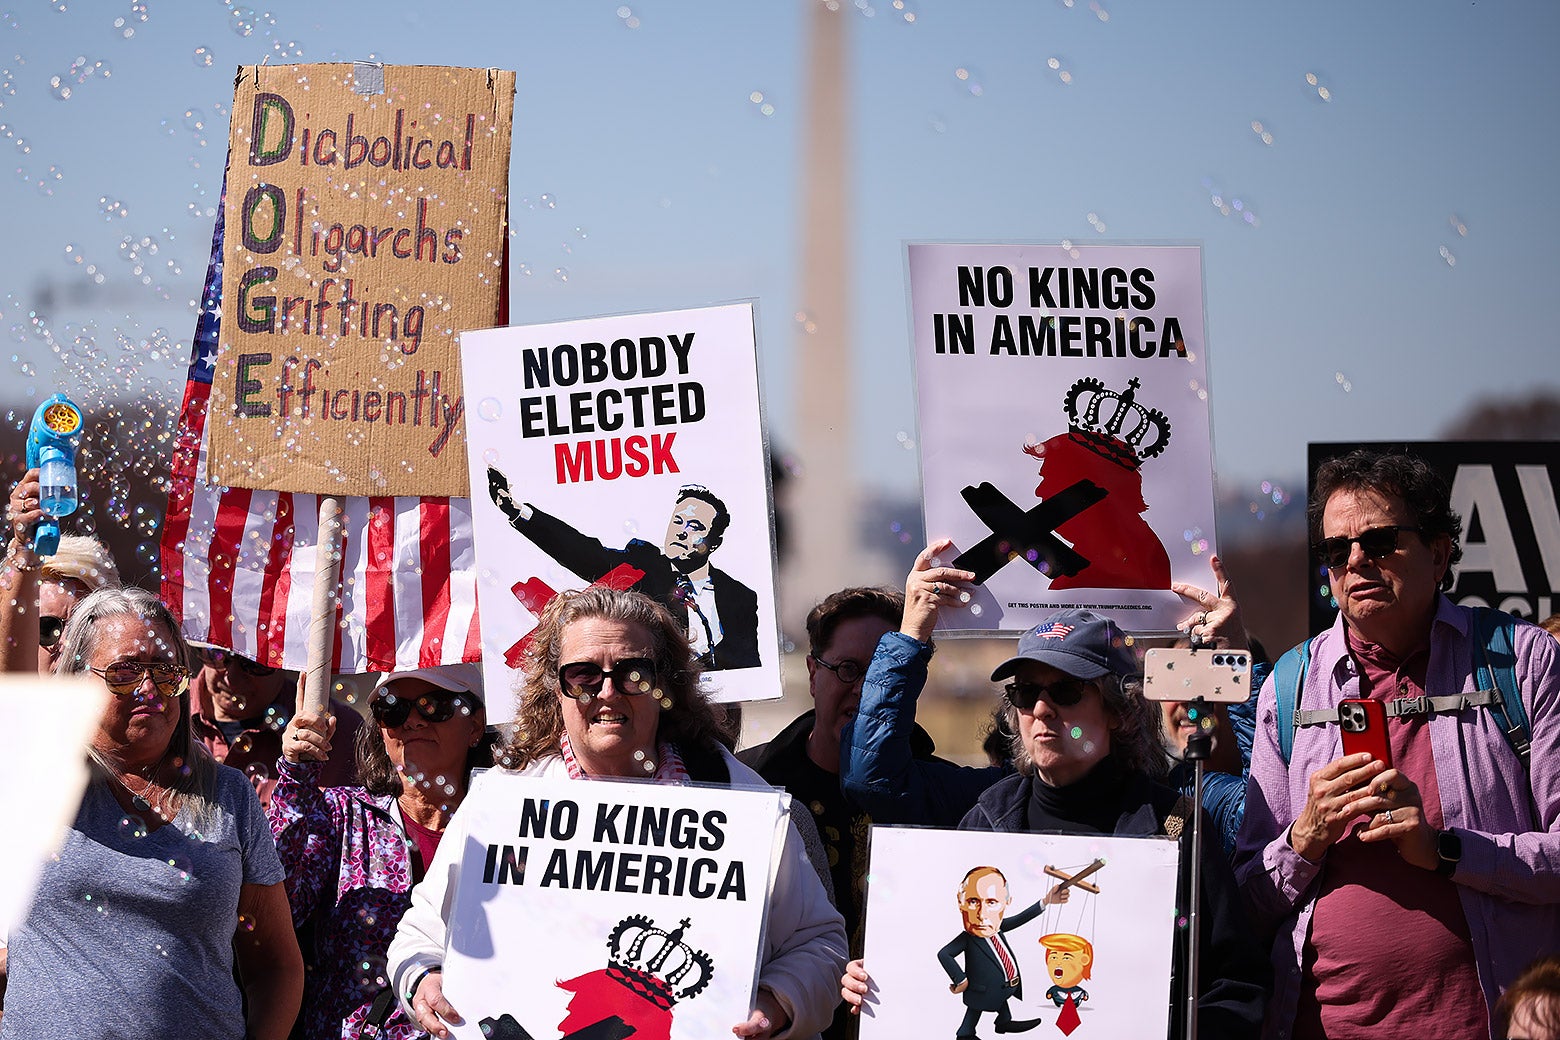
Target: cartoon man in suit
pixel 990 975
pixel 718 611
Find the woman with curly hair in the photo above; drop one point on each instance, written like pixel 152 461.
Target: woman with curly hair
pixel 611 690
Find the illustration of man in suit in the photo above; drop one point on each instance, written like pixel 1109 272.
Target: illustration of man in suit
pixel 718 611
pixel 989 977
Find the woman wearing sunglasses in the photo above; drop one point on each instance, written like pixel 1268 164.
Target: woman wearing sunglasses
pixel 353 853
pixel 611 690
pixel 1089 761
pixel 167 876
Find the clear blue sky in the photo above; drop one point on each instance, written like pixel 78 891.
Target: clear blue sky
pixel 645 177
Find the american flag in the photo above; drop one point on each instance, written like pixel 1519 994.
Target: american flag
pixel 238 565
pixel 1053 630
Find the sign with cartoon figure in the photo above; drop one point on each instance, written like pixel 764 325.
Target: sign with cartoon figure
pixel 627 451
pixel 609 909
pixel 1050 936
pixel 1085 366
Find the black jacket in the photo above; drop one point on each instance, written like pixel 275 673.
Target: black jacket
pixel 737 604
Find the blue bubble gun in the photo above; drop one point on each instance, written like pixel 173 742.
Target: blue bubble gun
pixel 51 449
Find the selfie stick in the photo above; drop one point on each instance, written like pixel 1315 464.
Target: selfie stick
pixel 1199 747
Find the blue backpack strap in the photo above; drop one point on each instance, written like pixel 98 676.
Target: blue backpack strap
pixel 1495 636
pixel 1288 674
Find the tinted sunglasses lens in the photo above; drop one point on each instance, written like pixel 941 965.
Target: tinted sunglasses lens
pixel 1379 542
pixel 391 711
pixel 634 676
pixel 1022 695
pixel 1334 552
pixel 435 708
pixel 50 629
pixel 170 679
pixel 126 677
pixel 581 678
pixel 1065 694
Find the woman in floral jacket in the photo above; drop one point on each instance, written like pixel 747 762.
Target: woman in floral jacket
pixel 353 853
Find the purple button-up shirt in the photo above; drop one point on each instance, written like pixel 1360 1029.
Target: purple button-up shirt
pixel 1509 875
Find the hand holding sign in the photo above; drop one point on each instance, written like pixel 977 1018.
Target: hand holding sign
pixel 929 587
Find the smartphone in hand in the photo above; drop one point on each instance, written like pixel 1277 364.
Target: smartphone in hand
pixel 1364 725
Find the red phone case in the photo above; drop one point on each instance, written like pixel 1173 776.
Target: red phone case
pixel 1364 728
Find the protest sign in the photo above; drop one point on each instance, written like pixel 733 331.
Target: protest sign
pixel 41 753
pixel 1085 923
pixel 627 451
pixel 583 901
pixel 1088 366
pixel 366 209
pixel 1505 492
pixel 238 565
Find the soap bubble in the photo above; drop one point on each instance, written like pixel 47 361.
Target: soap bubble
pixel 203 58
pixel 242 20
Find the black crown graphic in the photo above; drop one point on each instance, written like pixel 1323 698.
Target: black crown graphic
pixel 656 964
pixel 1115 425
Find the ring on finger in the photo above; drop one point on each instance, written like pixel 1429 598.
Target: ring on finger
pixel 936 589
pixel 1389 816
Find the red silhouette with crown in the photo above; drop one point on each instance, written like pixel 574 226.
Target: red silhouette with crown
pixel 1109 436
pixel 649 970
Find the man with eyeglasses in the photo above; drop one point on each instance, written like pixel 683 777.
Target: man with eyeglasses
pixel 804 758
pixel 239 709
pixel 719 613
pixel 1401 898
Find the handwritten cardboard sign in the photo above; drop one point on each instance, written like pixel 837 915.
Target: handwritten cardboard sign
pixel 366 209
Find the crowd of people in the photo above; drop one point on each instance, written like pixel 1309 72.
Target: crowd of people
pixel 244 866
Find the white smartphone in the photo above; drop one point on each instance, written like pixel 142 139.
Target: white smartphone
pixel 1182 674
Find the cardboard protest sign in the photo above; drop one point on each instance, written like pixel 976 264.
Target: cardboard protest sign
pixel 580 902
pixel 366 209
pixel 1505 492
pixel 41 753
pixel 1087 368
pixel 1085 923
pixel 629 451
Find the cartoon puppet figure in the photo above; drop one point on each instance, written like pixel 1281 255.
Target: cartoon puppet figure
pixel 989 976
pixel 1069 960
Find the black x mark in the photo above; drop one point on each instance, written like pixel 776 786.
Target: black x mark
pixel 1028 536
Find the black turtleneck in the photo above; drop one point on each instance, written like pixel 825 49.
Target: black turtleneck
pixel 1091 805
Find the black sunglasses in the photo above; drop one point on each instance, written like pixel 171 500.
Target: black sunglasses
pixel 50 628
pixel 631 677
pixel 847 671
pixel 1378 543
pixel 1064 693
pixel 124 678
pixel 391 711
pixel 227 659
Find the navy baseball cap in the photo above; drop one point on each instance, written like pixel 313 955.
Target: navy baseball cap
pixel 1079 642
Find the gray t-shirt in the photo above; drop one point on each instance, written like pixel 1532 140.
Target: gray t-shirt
pixel 131 933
